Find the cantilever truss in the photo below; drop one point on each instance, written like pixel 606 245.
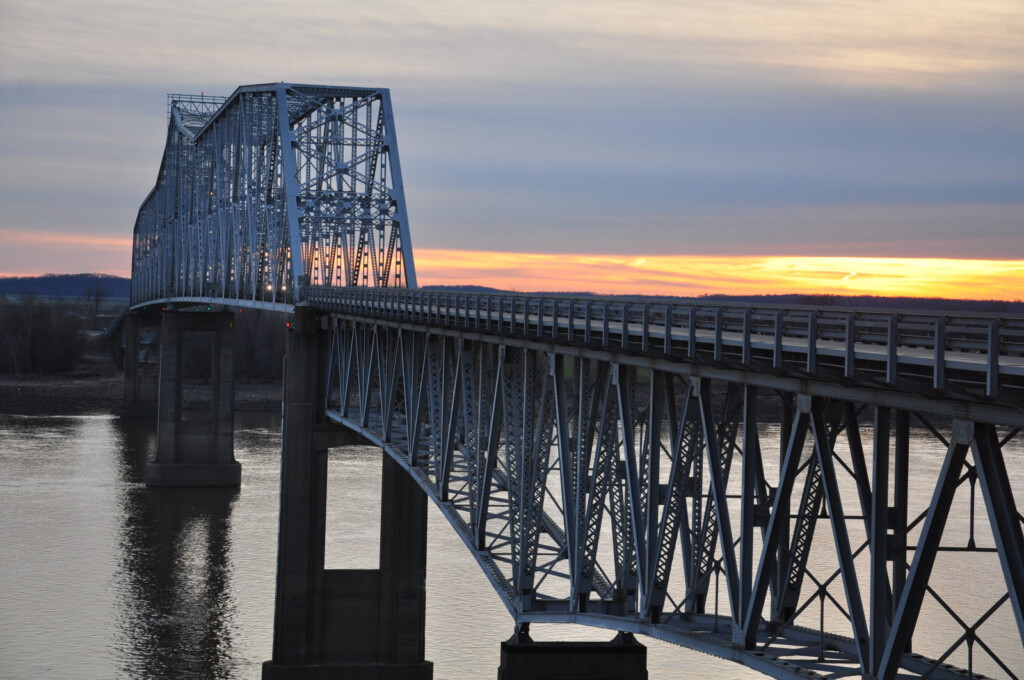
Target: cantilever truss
pixel 799 534
pixel 248 181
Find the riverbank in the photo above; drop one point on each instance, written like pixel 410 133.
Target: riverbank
pixel 96 386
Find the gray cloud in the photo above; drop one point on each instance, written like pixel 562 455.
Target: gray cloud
pixel 607 127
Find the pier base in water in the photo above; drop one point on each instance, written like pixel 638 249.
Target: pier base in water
pixel 621 659
pixel 413 671
pixel 195 413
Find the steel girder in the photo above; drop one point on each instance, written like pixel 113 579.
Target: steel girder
pixel 274 171
pixel 583 485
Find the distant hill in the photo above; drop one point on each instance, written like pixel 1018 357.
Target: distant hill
pixel 119 288
pixel 461 289
pixel 66 286
pixel 827 300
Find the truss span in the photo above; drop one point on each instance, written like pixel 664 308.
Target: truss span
pixel 270 190
pixel 603 475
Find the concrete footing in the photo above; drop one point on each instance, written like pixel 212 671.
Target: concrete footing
pixel 199 474
pixel 419 671
pixel 622 659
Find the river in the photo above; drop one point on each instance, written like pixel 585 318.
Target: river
pixel 101 577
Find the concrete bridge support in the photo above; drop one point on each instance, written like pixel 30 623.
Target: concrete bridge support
pixel 621 659
pixel 195 420
pixel 356 624
pixel 141 365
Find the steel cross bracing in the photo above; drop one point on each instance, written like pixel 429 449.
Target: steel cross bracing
pixel 249 181
pixel 676 479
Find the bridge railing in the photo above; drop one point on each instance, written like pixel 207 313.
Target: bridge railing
pixel 977 355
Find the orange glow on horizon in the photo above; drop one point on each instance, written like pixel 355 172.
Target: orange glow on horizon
pixel 696 275
pixel 26 252
pixel 51 238
pixel 675 275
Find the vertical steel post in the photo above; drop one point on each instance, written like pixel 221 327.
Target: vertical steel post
pixel 881 613
pixel 909 607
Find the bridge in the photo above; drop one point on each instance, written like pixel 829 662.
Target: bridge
pixel 735 479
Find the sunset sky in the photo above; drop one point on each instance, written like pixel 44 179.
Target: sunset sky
pixel 635 147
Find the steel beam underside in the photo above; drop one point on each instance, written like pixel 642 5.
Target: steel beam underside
pixel 366 369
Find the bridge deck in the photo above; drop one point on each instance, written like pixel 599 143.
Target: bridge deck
pixel 973 362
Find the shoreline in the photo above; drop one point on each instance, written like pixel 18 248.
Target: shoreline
pixel 63 396
pixel 97 388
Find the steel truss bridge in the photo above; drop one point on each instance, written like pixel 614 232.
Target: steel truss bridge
pixel 790 488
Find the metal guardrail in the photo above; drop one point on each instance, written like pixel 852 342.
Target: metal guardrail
pixel 976 355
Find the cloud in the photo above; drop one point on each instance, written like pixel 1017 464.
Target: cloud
pixel 787 128
pixel 905 43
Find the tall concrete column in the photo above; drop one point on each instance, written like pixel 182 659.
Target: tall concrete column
pixel 356 624
pixel 141 365
pixel 195 414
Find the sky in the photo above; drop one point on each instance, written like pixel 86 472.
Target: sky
pixel 644 146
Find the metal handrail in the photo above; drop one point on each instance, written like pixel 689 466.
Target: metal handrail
pixel 887 346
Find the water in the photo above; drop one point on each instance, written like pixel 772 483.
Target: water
pixel 101 577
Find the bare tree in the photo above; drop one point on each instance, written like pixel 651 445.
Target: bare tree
pixel 95 294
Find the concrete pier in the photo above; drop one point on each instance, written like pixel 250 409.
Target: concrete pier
pixel 141 365
pixel 621 659
pixel 195 413
pixel 356 624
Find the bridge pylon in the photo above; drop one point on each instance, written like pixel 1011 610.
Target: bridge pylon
pixel 195 410
pixel 360 624
pixel 141 364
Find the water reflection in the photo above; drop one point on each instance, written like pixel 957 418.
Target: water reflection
pixel 101 577
pixel 175 600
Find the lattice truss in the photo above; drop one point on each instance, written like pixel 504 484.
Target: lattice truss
pixel 800 536
pixel 229 209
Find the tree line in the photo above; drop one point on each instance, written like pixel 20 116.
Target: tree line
pixel 40 337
